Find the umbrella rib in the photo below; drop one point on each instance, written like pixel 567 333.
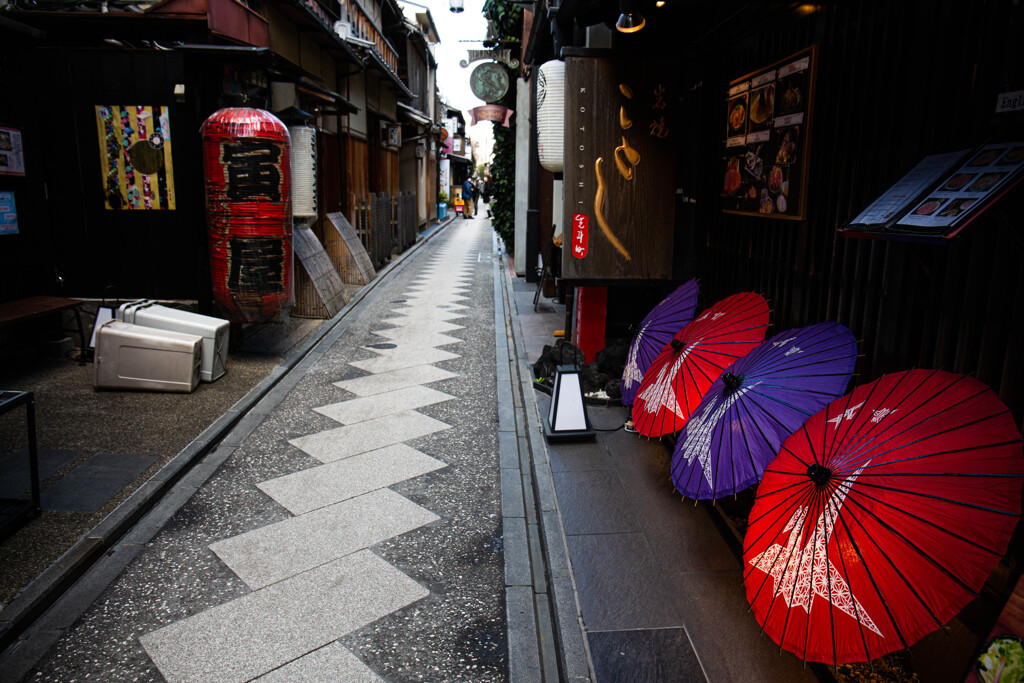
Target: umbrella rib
pixel 887 439
pixel 760 431
pixel 747 449
pixel 793 508
pixel 931 496
pixel 870 439
pixel 822 503
pixel 871 577
pixel 935 435
pixel 843 457
pixel 785 624
pixel 687 467
pixel 791 501
pixel 778 400
pixel 709 378
pixel 975 475
pixel 819 358
pixel 757 424
pixel 810 344
pixel 789 382
pixel 738 307
pixel 708 339
pixel 921 553
pixel 730 324
pixel 686 370
pixel 852 444
pixel 730 460
pixel 927 522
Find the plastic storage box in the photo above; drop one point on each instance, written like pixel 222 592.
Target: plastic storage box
pixel 136 357
pixel 214 331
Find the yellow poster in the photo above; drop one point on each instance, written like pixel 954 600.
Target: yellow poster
pixel 135 157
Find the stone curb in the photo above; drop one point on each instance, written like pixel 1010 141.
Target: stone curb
pixel 557 650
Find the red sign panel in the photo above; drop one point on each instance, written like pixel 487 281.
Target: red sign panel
pixel 580 235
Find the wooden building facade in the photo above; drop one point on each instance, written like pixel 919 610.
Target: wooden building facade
pixel 174 65
pixel 894 83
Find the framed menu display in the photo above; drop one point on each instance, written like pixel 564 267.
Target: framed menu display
pixel 942 194
pixel 767 138
pixel 12 157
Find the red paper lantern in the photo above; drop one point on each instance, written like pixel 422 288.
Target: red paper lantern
pixel 248 213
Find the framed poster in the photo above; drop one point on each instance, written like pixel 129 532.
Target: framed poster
pixel 767 132
pixel 8 214
pixel 135 157
pixel 12 157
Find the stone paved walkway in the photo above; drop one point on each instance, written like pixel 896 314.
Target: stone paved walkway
pixel 355 534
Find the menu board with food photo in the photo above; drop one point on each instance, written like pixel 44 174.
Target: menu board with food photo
pixel 966 187
pixel 768 117
pixel 942 193
pixel 12 158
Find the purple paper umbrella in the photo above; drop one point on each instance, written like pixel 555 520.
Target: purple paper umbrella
pixel 758 401
pixel 672 314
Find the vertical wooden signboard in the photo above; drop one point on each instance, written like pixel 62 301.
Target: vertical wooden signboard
pixel 619 169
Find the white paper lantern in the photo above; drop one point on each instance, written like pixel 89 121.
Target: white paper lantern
pixel 551 115
pixel 303 171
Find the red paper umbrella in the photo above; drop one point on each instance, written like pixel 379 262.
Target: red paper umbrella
pixel 882 517
pixel 677 379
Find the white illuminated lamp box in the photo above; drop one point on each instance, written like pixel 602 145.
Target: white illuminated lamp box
pixel 146 358
pixel 214 331
pixel 567 417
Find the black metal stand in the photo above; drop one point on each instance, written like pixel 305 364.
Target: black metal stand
pixel 15 512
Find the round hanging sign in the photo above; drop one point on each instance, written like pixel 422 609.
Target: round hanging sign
pixel 489 81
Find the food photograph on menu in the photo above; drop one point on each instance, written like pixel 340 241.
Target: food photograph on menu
pixel 737 116
pixel 967 188
pixel 767 128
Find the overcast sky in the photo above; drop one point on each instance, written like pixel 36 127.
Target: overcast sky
pixel 452 79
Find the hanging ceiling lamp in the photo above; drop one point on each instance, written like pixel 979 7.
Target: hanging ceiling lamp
pixel 629 21
pixel 456 5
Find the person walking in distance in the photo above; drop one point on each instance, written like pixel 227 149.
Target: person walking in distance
pixel 476 195
pixel 485 193
pixel 467 198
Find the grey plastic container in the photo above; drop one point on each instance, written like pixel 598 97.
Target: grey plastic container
pixel 136 357
pixel 214 331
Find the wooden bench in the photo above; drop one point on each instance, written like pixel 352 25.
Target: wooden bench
pixel 23 310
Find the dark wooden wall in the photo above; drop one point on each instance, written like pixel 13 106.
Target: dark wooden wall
pixel 896 81
pixel 356 156
pixel 26 268
pixel 68 230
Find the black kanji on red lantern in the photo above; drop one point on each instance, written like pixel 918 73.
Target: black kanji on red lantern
pixel 252 168
pixel 256 265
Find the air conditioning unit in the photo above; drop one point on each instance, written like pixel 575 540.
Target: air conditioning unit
pixel 551 115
